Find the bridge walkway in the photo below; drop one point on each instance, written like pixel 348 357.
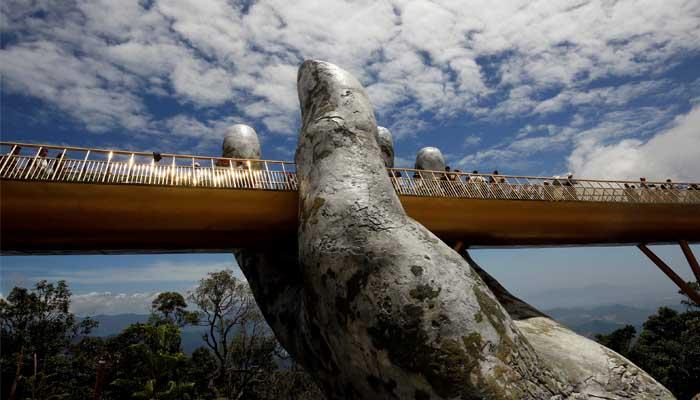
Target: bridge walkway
pixel 58 199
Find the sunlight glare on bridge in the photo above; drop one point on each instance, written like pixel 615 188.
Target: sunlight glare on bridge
pixel 70 199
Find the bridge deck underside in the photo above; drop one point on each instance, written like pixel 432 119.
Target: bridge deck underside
pixel 55 217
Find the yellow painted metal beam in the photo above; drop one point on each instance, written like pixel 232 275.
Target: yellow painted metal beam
pixel 54 217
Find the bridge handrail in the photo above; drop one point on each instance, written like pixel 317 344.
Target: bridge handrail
pixel 280 175
pixel 128 153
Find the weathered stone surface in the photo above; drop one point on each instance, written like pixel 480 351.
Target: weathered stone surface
pixel 430 158
pixel 386 145
pixel 241 141
pixel 376 307
pixel 594 371
pixel 398 313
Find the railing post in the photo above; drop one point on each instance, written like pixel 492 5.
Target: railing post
pixel 194 173
pixel 150 177
pixel 59 162
pixel 249 173
pixel 7 159
pixel 82 168
pixel 131 165
pixel 31 167
pixel 212 173
pixel 172 172
pixel 284 176
pixel 109 160
pixel 232 171
pixel 269 177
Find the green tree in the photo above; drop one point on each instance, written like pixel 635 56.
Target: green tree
pixel 236 334
pixel 619 340
pixel 200 367
pixel 687 301
pixel 171 306
pixel 149 363
pixel 668 348
pixel 36 327
pixel 162 359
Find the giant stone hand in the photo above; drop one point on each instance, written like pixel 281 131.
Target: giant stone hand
pixel 373 304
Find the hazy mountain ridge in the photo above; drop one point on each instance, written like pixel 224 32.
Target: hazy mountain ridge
pixel 586 321
pixel 589 321
pixel 601 295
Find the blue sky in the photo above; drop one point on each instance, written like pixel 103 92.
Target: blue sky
pixel 605 89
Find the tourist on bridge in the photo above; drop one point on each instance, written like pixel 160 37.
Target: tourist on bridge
pixel 649 185
pixel 39 167
pixel 222 162
pixel 445 176
pixel 492 178
pixel 480 183
pixel 497 190
pixel 569 186
pixel 461 187
pixel 477 178
pixel 630 193
pixel 569 179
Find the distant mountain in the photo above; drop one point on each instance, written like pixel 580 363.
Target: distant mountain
pixel 601 295
pixel 111 325
pixel 589 321
pixel 586 321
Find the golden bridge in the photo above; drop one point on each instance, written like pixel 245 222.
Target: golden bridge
pixel 58 199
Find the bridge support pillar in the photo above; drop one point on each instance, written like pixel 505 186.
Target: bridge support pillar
pixel 680 282
pixel 691 259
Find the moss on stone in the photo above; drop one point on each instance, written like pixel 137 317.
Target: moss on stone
pixel 498 319
pixel 478 317
pixel 422 292
pixel 417 270
pixel 318 203
pixel 473 343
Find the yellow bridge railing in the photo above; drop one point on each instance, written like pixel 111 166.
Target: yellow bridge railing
pixel 20 161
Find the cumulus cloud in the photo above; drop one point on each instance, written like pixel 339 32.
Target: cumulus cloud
pixel 87 89
pixel 673 153
pixel 197 82
pixel 96 60
pixel 108 303
pixel 156 272
pixel 160 275
pixel 606 96
pixel 471 140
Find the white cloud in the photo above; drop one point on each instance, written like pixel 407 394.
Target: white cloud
pixel 404 162
pixel 108 303
pixel 471 140
pixel 197 82
pixel 490 158
pixel 576 138
pixel 157 272
pixel 95 60
pixel 673 153
pixel 608 96
pixel 87 89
